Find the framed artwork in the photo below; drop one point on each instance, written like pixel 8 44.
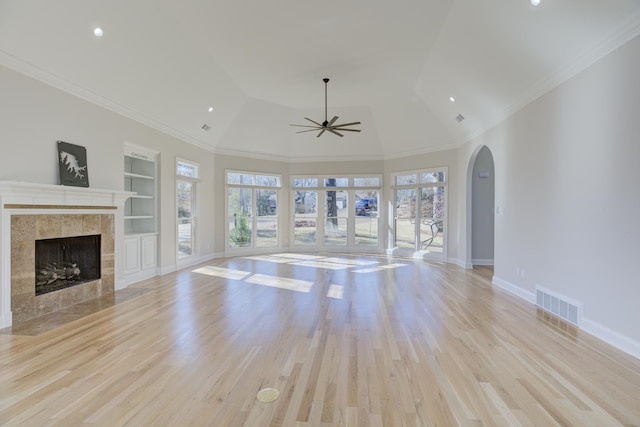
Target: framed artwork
pixel 72 165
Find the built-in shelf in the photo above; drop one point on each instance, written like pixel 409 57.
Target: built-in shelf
pixel 137 175
pixel 140 213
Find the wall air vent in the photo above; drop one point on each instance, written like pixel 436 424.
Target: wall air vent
pixel 459 118
pixel 563 307
pixel 206 127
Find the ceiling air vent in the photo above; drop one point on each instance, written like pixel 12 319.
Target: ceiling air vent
pixel 459 118
pixel 206 127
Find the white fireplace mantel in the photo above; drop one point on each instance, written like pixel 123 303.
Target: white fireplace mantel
pixel 20 197
pixel 27 193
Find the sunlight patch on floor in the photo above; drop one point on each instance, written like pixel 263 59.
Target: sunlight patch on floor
pixel 280 282
pixel 380 268
pixel 322 264
pixel 298 256
pixel 349 261
pixel 225 273
pixel 269 258
pixel 335 291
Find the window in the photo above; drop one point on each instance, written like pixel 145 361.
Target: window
pixel 335 211
pixel 252 210
pixel 305 217
pixel 186 180
pixel 420 210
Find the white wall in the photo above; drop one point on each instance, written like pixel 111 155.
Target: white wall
pixel 33 116
pixel 567 177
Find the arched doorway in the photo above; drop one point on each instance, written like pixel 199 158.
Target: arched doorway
pixel 480 208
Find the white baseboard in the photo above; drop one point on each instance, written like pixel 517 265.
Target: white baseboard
pixel 617 340
pixel 6 319
pixel 136 277
pixel 190 262
pixel 167 269
pixel 460 263
pixel 515 290
pixel 482 261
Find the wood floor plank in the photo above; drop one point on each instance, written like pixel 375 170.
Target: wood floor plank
pixel 412 344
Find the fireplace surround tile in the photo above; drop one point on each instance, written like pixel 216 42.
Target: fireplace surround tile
pixel 23 307
pixel 48 226
pixel 72 225
pixel 107 226
pixel 25 229
pixel 22 264
pixel 91 224
pixel 23 286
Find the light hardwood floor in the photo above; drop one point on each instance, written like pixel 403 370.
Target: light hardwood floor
pixel 347 340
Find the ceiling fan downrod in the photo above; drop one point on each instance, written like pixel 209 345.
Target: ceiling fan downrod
pixel 326 120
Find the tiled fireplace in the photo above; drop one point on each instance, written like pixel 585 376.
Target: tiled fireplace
pixel 35 212
pixel 25 230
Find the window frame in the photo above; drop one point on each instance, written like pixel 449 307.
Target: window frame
pixel 419 186
pixel 194 180
pixel 254 187
pixel 321 190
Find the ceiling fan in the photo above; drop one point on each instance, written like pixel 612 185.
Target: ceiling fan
pixel 327 125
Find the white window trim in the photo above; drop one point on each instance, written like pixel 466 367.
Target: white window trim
pixel 194 215
pixel 254 218
pixel 418 186
pixel 321 190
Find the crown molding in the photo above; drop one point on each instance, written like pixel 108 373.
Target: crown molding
pixel 45 76
pixel 452 145
pixel 291 159
pixel 623 34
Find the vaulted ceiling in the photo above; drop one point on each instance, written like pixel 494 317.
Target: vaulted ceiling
pixel 393 65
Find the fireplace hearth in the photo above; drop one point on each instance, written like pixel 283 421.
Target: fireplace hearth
pixel 64 262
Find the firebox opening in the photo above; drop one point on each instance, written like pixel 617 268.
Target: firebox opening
pixel 65 262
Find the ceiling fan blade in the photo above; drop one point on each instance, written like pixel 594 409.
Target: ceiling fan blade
pixel 344 129
pixel 312 121
pixel 308 130
pixel 333 131
pixel 306 126
pixel 321 132
pixel 332 120
pixel 347 124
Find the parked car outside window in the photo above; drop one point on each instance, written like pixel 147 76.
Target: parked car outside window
pixel 366 204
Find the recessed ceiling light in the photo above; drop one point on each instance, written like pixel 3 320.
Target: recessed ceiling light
pixel 534 2
pixel 98 32
pixel 452 99
pixel 210 109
